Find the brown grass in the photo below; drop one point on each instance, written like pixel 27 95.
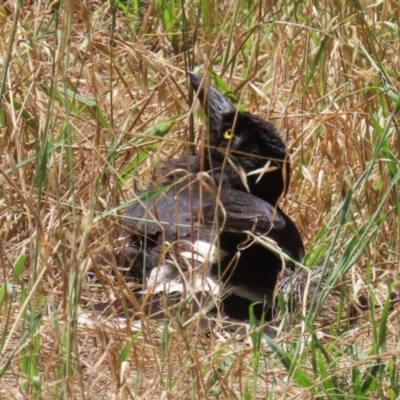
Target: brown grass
pixel 79 99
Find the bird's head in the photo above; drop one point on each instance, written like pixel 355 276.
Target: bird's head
pixel 255 154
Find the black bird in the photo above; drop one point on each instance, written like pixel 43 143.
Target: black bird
pixel 244 154
pixel 243 151
pixel 193 212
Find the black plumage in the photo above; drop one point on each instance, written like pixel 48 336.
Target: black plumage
pixel 242 151
pixel 245 151
pixel 194 210
pixel 244 154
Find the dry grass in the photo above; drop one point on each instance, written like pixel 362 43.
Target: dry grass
pixel 94 95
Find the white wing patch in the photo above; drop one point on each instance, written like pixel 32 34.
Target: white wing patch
pixel 205 251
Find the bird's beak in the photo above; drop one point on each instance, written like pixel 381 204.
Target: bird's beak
pixel 214 103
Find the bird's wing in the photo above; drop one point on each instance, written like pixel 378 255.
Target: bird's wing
pixel 238 210
pixel 155 211
pixel 193 204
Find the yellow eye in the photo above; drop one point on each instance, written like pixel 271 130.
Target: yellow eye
pixel 228 134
